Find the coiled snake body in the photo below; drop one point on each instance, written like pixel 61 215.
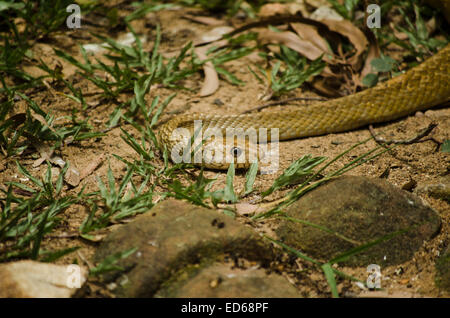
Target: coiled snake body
pixel 422 87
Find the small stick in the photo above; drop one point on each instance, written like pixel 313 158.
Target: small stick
pixel 420 135
pixel 281 102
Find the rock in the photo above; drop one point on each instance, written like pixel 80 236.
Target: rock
pixel 172 236
pixel 30 279
pixel 360 209
pixel 439 190
pixel 222 281
pixel 443 270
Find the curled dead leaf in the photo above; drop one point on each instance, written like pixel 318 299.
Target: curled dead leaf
pixel 204 20
pixel 323 87
pixel 374 52
pixel 42 120
pixel 325 12
pixel 213 35
pixel 72 176
pixel 292 41
pixel 355 36
pixel 309 33
pixel 271 9
pixel 45 151
pixel 211 81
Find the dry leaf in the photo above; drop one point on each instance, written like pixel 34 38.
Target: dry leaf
pixel 271 9
pixel 292 41
pixel 431 25
pixel 42 120
pixel 211 81
pixel 309 33
pixel 326 13
pixel 399 35
pixel 292 8
pixel 213 35
pixel 374 52
pixel 256 58
pixel 318 3
pixel 205 20
pixel 355 35
pixel 58 161
pixel 45 151
pixel 325 89
pixel 72 176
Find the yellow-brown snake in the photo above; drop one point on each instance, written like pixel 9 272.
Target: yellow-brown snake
pixel 422 87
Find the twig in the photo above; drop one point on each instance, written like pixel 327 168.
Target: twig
pixel 85 260
pixel 417 138
pixel 281 102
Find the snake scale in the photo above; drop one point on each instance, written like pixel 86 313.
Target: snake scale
pixel 420 88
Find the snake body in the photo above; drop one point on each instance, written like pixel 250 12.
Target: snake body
pixel 420 88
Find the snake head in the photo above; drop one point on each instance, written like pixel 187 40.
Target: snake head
pixel 219 153
pixel 216 148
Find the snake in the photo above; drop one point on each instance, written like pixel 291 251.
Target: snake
pixel 226 139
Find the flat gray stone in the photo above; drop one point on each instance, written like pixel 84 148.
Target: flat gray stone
pixel 172 236
pixel 362 210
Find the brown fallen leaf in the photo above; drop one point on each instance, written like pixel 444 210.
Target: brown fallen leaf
pixel 399 35
pixel 72 176
pixel 213 35
pixel 205 20
pixel 45 151
pixel 17 120
pixel 374 52
pixel 42 120
pixel 309 33
pixel 271 9
pixel 325 12
pixel 355 35
pixel 431 25
pixel 323 87
pixel 292 8
pixel 211 82
pixel 292 41
pixel 319 3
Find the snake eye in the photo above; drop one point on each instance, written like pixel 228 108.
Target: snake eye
pixel 236 152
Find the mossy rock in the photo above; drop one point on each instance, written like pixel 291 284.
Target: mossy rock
pixel 360 210
pixel 443 271
pixel 223 281
pixel 172 236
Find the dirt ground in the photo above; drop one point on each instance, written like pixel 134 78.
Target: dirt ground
pixel 420 163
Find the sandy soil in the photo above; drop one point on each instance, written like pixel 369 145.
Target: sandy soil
pixel 421 162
